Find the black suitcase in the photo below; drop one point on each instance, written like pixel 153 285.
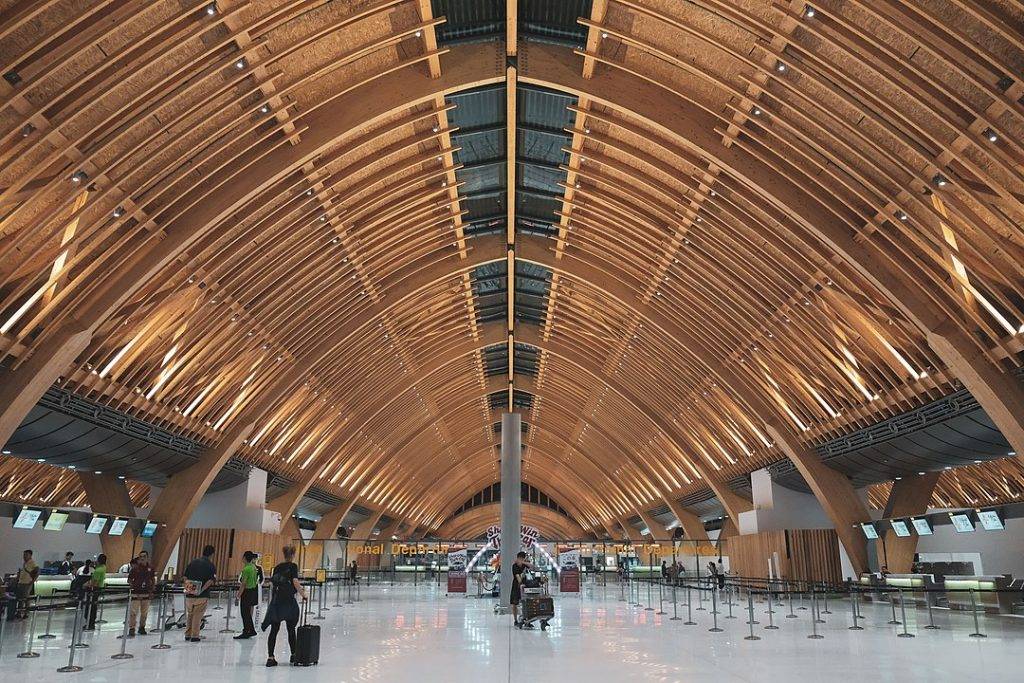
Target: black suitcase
pixel 307 642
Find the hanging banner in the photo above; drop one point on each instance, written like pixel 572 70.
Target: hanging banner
pixel 569 571
pixel 528 536
pixel 457 571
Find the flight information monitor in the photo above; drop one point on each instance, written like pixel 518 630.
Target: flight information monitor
pixel 117 527
pixel 148 530
pixel 900 527
pixel 96 525
pixel 869 531
pixel 56 521
pixel 961 522
pixel 27 518
pixel 990 520
pixel 921 526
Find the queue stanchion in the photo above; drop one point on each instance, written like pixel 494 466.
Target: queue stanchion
pixel 931 618
pixel 903 611
pixel 307 606
pixel 974 610
pixel 75 633
pixel 750 621
pixel 789 590
pixel 49 619
pixel 348 597
pixel 700 596
pixel 163 625
pixel 714 613
pixel 854 612
pixel 689 609
pixel 3 624
pixel 824 596
pixel 892 603
pixel 661 597
pixel 220 599
pixel 29 653
pixel 802 595
pixel 771 615
pixel 622 592
pixel 359 591
pixel 101 602
pixel 320 603
pixel 124 634
pixel 650 607
pixel 816 606
pixel 337 592
pixel 227 618
pixel 814 622
pixel 675 605
pixel 729 602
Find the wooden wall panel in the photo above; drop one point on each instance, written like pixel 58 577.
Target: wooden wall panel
pixel 804 554
pixel 230 544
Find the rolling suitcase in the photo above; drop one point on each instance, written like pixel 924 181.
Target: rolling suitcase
pixel 307 642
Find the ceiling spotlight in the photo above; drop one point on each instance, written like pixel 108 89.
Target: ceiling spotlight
pixel 309 192
pixel 435 129
pixel 419 33
pixel 6 452
pixel 991 135
pixel 211 9
pixel 902 215
pixel 118 212
pixel 27 130
pixel 780 67
pixel 809 12
pixel 587 131
pixel 98 472
pixel 323 219
pixel 79 177
pixel 40 459
pixel 940 180
pixel 604 34
pixel 757 111
pixel 120 476
pixel 240 63
pixel 265 109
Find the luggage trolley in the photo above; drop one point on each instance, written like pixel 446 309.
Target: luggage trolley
pixel 537 604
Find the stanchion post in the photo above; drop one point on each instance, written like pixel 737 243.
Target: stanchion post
pixel 49 619
pixel 974 610
pixel 661 596
pixel 689 609
pixel 75 633
pixel 931 618
pixel 789 590
pixel 824 595
pixel 714 613
pixel 771 614
pixel 892 603
pixel 102 603
pixel 28 653
pixel 337 592
pixel 675 605
pixel 853 610
pixel 227 617
pixel 124 633
pixel 903 612
pixel 163 624
pixel 729 603
pixel 814 622
pixel 816 606
pixel 3 624
pixel 751 622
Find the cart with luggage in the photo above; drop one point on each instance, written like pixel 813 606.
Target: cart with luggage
pixel 537 604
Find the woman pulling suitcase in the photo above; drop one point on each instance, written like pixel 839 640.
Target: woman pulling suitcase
pixel 283 607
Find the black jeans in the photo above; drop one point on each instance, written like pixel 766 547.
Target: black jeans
pixel 92 599
pixel 272 638
pixel 247 603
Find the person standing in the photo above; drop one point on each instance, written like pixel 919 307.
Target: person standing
pixel 97 580
pixel 283 607
pixel 142 580
pixel 519 567
pixel 67 567
pixel 248 595
pixel 199 577
pixel 720 575
pixel 26 586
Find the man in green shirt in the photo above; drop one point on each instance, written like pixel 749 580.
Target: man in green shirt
pixel 247 595
pixel 97 580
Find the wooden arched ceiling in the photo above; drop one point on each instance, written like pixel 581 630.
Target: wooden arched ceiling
pixel 246 222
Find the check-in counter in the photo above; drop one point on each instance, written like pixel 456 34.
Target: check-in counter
pixel 922 587
pixel 47 583
pixel 958 592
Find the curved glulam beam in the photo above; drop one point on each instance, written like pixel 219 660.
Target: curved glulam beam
pixel 474 522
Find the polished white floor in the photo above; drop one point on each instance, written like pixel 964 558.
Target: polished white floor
pixel 406 634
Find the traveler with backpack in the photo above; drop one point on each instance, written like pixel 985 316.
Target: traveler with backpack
pixel 283 607
pixel 199 577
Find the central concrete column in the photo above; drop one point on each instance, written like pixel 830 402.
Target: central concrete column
pixel 511 476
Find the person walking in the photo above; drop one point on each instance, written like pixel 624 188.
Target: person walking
pixel 283 607
pixel 248 596
pixel 200 575
pixel 26 586
pixel 720 575
pixel 142 580
pixel 94 589
pixel 712 574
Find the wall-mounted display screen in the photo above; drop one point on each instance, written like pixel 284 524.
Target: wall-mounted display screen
pixel 922 527
pixel 900 527
pixel 961 522
pixel 869 530
pixel 56 521
pixel 27 518
pixel 990 520
pixel 117 527
pixel 96 525
pixel 149 529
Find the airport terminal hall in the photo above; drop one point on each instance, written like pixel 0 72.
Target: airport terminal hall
pixel 449 341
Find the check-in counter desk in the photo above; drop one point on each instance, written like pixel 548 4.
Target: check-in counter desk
pixel 958 593
pixel 47 583
pixel 917 587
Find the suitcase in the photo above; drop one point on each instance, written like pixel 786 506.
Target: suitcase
pixel 307 642
pixel 540 609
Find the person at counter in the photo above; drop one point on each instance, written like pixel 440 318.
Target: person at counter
pixel 25 587
pixel 67 567
pixel 97 580
pixel 142 580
